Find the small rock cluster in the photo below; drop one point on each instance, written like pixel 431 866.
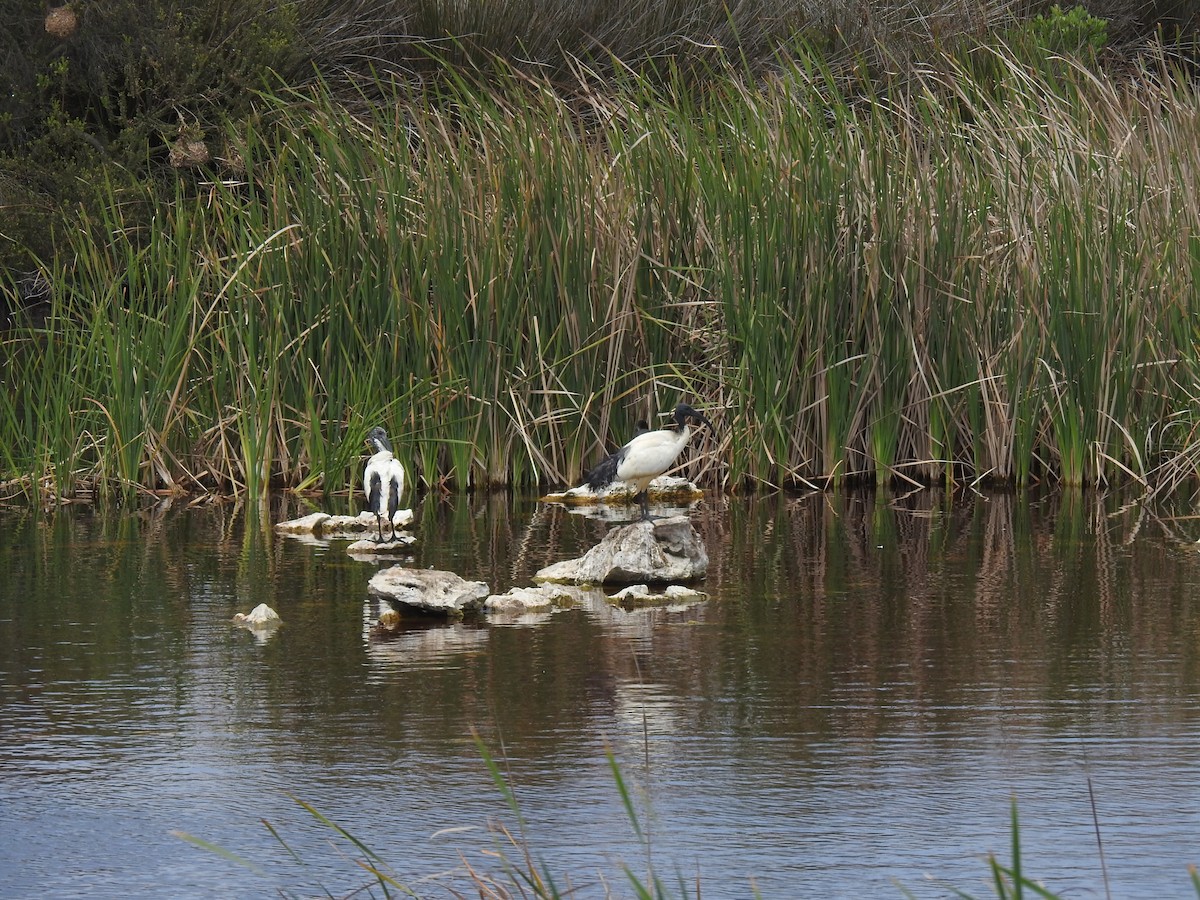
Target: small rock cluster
pixel 659 552
pixel 665 551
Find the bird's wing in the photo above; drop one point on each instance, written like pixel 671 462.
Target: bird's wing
pixel 372 487
pixel 395 487
pixel 604 472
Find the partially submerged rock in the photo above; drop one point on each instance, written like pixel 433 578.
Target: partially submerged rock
pixel 262 621
pixel 332 528
pixel 532 599
pixel 536 605
pixel 369 548
pixel 428 590
pixel 663 490
pixel 309 524
pixel 676 595
pixel 262 616
pixel 659 551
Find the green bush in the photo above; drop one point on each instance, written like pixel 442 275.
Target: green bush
pixel 132 72
pixel 1075 32
pixel 106 90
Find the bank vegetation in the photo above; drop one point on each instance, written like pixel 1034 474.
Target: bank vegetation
pixel 961 257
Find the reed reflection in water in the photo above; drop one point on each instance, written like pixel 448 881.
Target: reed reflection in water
pixel 871 681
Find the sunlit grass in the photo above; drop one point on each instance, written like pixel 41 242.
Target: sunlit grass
pixel 983 273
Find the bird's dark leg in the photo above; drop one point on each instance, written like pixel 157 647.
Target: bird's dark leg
pixel 644 500
pixel 379 522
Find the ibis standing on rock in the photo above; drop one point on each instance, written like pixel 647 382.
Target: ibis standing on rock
pixel 647 455
pixel 383 480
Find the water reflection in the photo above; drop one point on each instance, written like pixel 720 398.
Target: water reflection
pixel 869 682
pixel 621 514
pixel 418 647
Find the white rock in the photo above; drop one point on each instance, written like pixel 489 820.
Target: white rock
pixel 631 592
pixel 443 593
pixel 529 599
pixel 658 551
pixel 641 595
pixel 304 525
pixel 369 548
pixel 262 616
pixel 663 489
pixel 329 528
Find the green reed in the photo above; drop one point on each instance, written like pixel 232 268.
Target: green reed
pixel 980 274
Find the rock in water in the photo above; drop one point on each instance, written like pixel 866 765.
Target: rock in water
pixel 668 490
pixel 639 595
pixel 441 593
pixel 655 552
pixel 262 616
pixel 368 548
pixel 310 524
pixel 326 527
pixel 532 599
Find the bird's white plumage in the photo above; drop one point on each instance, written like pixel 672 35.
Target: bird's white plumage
pixel 383 483
pixel 384 475
pixel 648 455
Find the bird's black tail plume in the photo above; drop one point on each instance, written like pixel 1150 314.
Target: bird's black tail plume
pixel 603 473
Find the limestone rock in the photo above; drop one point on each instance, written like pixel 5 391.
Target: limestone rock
pixel 330 528
pixel 428 590
pixel 655 552
pixel 369 548
pixel 531 606
pixel 262 616
pixel 262 622
pixel 676 595
pixel 665 489
pixel 309 524
pixel 531 599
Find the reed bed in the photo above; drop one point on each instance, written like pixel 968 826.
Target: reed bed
pixel 986 273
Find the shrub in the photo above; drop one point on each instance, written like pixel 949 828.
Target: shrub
pixel 1074 32
pixel 95 90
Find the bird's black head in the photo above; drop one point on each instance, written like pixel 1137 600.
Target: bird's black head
pixel 377 440
pixel 685 413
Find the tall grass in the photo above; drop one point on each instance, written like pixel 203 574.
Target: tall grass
pixel 988 273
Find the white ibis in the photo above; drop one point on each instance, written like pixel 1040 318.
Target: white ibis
pixel 383 480
pixel 647 455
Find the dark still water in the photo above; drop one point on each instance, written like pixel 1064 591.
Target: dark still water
pixel 870 684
